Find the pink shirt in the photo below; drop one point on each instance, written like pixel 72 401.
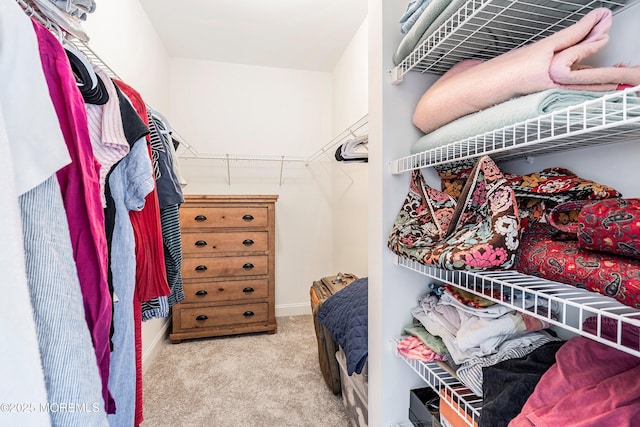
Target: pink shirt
pixel 80 189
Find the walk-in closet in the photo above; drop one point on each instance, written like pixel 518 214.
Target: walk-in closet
pixel 385 213
pixel 252 132
pixel 595 140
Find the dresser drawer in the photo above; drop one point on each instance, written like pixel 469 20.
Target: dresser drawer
pixel 225 291
pixel 204 217
pixel 202 267
pixel 208 243
pixel 207 317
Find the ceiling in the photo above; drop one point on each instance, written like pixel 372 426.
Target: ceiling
pixel 298 34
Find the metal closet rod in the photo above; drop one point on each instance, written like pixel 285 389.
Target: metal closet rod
pixel 352 131
pixel 34 13
pixel 83 47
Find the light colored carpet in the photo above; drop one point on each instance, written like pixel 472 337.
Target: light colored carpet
pixel 258 380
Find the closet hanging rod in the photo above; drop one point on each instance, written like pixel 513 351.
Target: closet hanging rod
pixel 353 131
pixel 86 50
pixel 245 157
pixel 356 129
pixel 51 26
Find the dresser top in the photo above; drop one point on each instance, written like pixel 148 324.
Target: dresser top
pixel 233 198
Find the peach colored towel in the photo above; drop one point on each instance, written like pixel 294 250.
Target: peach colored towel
pixel 553 62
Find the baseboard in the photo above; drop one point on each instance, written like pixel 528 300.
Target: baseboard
pixel 154 347
pixel 293 309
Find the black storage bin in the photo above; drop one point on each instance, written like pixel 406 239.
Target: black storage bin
pixel 423 407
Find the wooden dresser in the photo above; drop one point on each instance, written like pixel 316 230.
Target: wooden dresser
pixel 228 266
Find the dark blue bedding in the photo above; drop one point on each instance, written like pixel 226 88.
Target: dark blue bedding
pixel 345 315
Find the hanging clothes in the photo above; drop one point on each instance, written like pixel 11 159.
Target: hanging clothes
pixel 20 363
pixel 130 182
pixel 80 187
pixel 151 278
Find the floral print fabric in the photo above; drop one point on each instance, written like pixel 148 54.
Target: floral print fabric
pixel 423 219
pixel 537 193
pixel 483 231
pixel 564 261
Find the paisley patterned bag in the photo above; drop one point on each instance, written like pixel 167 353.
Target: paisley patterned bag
pixel 566 262
pixel 483 232
pixel 610 225
pixel 423 219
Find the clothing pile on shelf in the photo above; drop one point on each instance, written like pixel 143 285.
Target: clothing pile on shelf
pixel 550 77
pixel 411 15
pixel 477 332
pixel 354 150
pixel 525 375
pixel 89 177
pixel 551 385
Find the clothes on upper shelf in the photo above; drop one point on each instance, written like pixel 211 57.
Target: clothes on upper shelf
pixel 86 262
pixel 411 15
pixel 67 22
pixel 78 8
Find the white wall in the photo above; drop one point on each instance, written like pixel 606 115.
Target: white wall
pixel 350 180
pixel 223 108
pixel 122 36
pixel 238 109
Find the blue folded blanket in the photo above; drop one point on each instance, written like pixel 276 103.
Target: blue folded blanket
pixel 514 111
pixel 345 315
pixel 438 11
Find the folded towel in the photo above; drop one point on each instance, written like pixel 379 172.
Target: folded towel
pixel 552 62
pixel 514 111
pixel 414 10
pixel 429 20
pixel 412 7
pixel 439 11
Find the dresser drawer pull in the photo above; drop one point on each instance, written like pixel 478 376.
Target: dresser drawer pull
pixel 201 293
pixel 201 268
pixel 248 313
pixel 248 217
pixel 248 242
pixel 248 266
pixel 201 243
pixel 248 290
pixel 200 218
pixel 202 317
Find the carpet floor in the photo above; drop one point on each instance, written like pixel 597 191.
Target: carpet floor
pixel 258 380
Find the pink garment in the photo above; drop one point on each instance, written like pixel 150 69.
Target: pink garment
pixel 412 347
pixel 106 131
pixel 590 385
pixel 81 195
pixel 553 62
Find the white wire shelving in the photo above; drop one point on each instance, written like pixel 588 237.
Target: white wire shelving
pixel 484 29
pixel 570 306
pixel 614 117
pixel 465 403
